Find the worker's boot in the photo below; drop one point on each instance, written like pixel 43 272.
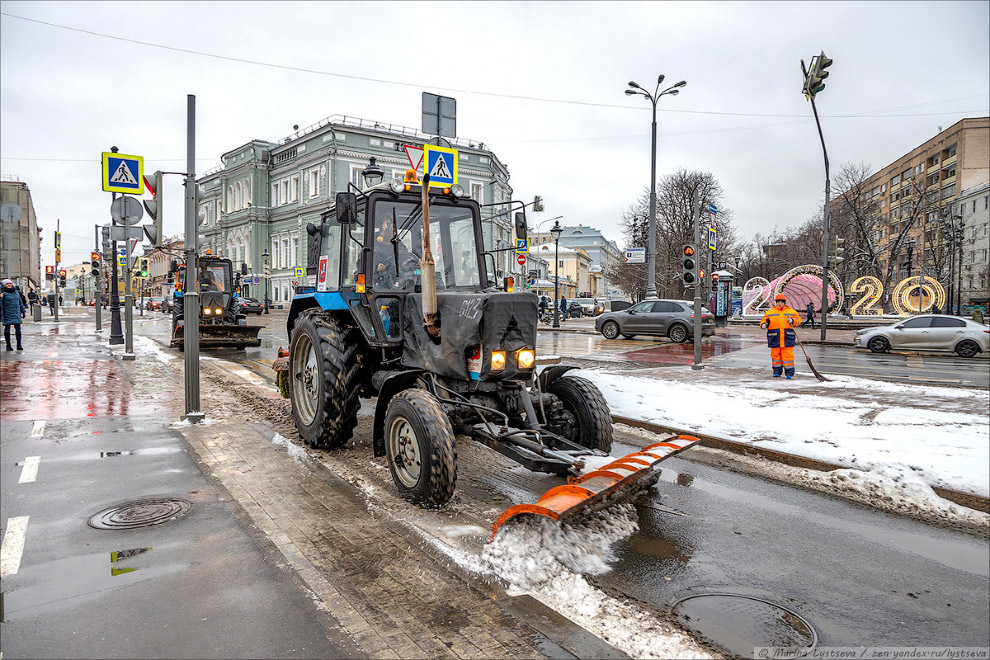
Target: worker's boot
pixel 776 372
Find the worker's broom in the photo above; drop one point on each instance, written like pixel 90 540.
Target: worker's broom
pixel 813 370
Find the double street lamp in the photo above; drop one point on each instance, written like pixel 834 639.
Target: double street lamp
pixel 556 231
pixel 651 282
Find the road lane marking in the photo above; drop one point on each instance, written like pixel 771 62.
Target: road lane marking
pixel 13 545
pixel 39 428
pixel 30 470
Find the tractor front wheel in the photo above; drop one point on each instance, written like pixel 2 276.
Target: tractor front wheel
pixel 324 380
pixel 580 413
pixel 419 444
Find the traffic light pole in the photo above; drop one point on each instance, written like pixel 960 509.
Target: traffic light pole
pixel 818 122
pixel 697 365
pixel 116 335
pixel 58 231
pixel 128 305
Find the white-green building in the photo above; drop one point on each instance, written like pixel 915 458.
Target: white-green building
pixel 262 196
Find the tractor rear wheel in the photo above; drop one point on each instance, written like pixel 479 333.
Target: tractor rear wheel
pixel 419 444
pixel 582 415
pixel 324 380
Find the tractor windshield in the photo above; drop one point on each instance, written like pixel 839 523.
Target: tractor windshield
pixel 398 246
pixel 213 277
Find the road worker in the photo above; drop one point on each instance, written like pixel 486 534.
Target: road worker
pixel 780 322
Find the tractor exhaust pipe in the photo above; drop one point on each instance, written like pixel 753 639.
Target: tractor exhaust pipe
pixel 428 279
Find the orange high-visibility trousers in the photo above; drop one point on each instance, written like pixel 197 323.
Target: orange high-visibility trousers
pixel 782 358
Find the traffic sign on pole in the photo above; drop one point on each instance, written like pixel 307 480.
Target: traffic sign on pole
pixel 123 174
pixel 521 259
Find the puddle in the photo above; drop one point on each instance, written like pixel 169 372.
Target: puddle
pixel 684 479
pixel 69 582
pixel 741 623
pixel 653 547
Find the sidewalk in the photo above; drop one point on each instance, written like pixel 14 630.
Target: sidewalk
pixel 263 514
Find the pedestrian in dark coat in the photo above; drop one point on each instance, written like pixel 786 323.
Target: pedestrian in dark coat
pixel 811 315
pixel 563 308
pixel 12 311
pixel 32 299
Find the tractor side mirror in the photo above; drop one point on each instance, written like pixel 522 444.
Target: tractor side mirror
pixel 312 229
pixel 346 207
pixel 521 225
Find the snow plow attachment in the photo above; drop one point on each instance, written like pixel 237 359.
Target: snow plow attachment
pixel 601 487
pixel 221 336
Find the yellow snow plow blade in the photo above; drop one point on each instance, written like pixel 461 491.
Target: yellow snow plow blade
pixel 603 487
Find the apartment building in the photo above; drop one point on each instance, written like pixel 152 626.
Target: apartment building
pixel 20 240
pixel 972 213
pixel 258 202
pixel 916 199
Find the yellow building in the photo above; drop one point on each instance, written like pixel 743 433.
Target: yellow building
pixel 573 267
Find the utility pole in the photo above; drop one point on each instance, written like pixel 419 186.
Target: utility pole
pixel 116 335
pixel 98 276
pixel 58 251
pixel 190 296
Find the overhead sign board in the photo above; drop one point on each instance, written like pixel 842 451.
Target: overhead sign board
pixel 441 165
pixel 636 255
pixel 439 115
pixel 123 174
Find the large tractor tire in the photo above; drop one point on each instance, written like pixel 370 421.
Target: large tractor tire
pixel 419 444
pixel 324 380
pixel 581 413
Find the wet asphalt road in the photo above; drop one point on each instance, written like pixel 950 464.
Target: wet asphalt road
pixel 858 576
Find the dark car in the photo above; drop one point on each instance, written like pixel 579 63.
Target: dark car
pixel 664 318
pixel 250 306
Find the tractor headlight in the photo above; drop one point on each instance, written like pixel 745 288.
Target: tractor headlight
pixel 526 358
pixel 207 311
pixel 396 185
pixel 457 190
pixel 218 311
pixel 498 360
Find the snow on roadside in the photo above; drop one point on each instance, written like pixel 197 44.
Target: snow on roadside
pixel 151 346
pixel 938 445
pixel 297 453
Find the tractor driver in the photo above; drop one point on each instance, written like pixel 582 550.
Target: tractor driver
pixel 387 275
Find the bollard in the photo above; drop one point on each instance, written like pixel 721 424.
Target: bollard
pixel 37 313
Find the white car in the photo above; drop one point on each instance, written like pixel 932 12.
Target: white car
pixel 928 332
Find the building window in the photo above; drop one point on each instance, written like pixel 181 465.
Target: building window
pixel 294 189
pixel 230 198
pixel 948 191
pixel 952 151
pixel 314 183
pixel 894 180
pixel 478 192
pixel 356 177
pixel 295 252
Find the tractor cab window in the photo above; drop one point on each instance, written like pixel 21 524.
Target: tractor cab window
pixel 354 248
pixel 398 247
pixel 330 248
pixel 212 277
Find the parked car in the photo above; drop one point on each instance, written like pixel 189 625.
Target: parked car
pixel 574 310
pixel 929 332
pixel 250 305
pixel 664 318
pixel 592 306
pixel 154 304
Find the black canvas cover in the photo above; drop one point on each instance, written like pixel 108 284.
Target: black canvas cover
pixel 496 320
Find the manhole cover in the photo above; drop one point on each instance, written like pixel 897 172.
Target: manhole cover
pixel 140 513
pixel 740 623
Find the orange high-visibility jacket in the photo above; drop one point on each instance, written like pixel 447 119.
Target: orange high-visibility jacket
pixel 780 326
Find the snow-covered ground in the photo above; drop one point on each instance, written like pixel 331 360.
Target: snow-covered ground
pixel 939 436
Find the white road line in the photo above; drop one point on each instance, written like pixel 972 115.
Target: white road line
pixel 39 428
pixel 13 545
pixel 30 470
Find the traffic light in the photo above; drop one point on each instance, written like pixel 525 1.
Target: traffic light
pixel 154 206
pixel 61 278
pixel 689 265
pixel 714 281
pixel 49 270
pixel 839 250
pixel 144 268
pixel 815 81
pixel 95 262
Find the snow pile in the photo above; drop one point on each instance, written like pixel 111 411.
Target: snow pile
pixel 152 347
pixel 297 453
pixel 853 422
pixel 546 559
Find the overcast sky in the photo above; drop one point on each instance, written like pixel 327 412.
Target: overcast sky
pixel 540 84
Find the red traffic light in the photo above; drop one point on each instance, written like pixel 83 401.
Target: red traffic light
pixel 49 270
pixel 715 277
pixel 688 250
pixel 95 256
pixel 62 273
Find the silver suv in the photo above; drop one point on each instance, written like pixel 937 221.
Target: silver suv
pixel 665 318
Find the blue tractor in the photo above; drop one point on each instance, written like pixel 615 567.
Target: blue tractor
pixel 406 310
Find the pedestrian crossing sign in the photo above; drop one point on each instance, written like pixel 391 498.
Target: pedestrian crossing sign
pixel 441 165
pixel 123 174
pixel 522 246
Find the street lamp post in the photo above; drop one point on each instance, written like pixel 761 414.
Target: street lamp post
pixel 651 282
pixel 556 231
pixel 264 256
pixel 960 233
